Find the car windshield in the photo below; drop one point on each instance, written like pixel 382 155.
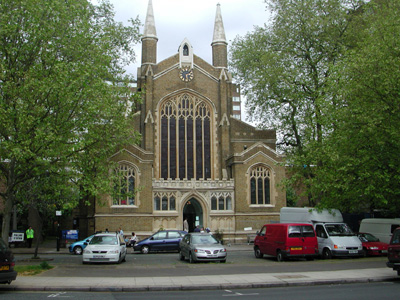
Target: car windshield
pixel 204 239
pixel 104 240
pixel 396 237
pixel 367 237
pixel 338 230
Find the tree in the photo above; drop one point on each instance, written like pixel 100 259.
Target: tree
pixel 284 69
pixel 64 97
pixel 362 166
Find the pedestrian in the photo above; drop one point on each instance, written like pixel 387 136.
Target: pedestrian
pixel 29 236
pixel 106 230
pixel 133 240
pixel 186 225
pixel 197 229
pixel 121 232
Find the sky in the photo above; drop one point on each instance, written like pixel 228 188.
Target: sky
pixel 192 19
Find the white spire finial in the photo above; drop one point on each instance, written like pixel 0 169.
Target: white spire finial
pixel 219 31
pixel 150 25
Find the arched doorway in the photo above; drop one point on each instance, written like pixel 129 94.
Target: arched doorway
pixel 193 211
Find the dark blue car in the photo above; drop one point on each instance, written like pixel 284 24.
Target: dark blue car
pixel 77 247
pixel 164 240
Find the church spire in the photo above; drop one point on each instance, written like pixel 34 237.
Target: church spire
pixel 149 39
pixel 150 25
pixel 219 44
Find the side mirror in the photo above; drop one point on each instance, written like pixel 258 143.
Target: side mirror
pixel 85 243
pixel 257 233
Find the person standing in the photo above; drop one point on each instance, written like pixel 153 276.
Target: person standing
pixel 186 225
pixel 29 236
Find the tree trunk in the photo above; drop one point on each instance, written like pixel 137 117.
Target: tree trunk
pixel 8 204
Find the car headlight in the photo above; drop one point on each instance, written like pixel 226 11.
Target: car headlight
pixel 114 251
pixel 339 247
pixel 222 250
pixel 86 251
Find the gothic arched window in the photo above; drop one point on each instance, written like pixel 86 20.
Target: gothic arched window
pixel 260 185
pixel 185 50
pixel 185 146
pixel 124 186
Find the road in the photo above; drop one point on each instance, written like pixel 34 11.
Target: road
pixel 168 264
pixel 369 291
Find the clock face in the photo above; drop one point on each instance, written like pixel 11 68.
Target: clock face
pixel 186 74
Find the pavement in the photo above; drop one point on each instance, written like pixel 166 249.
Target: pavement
pixel 193 282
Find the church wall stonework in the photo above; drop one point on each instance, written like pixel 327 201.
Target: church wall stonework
pixel 223 200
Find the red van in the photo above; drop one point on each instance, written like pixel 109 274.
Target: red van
pixel 286 240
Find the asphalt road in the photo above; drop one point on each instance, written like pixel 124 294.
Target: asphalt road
pixel 168 264
pixel 368 291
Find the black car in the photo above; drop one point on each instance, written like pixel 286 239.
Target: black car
pixel 7 262
pixel 164 240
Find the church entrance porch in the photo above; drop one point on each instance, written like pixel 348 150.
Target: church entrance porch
pixel 193 211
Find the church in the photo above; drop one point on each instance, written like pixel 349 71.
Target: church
pixel 196 160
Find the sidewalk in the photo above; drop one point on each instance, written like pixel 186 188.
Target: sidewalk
pixel 232 281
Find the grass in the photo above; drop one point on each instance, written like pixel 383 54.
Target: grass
pixel 30 270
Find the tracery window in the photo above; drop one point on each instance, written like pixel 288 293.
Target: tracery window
pixel 221 201
pixel 164 201
pixel 124 186
pixel 260 185
pixel 185 138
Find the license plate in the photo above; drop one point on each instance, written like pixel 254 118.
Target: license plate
pixel 98 256
pixel 384 251
pixel 296 248
pixel 4 268
pixel 353 251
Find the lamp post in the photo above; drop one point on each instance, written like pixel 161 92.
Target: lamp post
pixel 58 237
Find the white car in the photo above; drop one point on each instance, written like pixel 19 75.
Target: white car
pixel 104 248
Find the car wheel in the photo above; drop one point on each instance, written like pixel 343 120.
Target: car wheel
pixel 364 252
pixel 78 250
pixel 145 249
pixel 191 258
pixel 258 253
pixel 181 256
pixel 326 254
pixel 279 256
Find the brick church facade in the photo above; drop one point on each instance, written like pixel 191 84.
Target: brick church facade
pixel 195 160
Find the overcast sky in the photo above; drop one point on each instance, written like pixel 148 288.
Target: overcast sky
pixel 193 19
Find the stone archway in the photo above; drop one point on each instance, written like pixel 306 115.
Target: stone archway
pixel 193 211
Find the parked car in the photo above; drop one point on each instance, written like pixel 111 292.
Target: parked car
pixel 201 247
pixel 286 240
pixel 105 247
pixel 394 252
pixel 77 247
pixel 371 244
pixel 164 240
pixel 7 262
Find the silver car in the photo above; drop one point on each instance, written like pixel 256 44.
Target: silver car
pixel 201 247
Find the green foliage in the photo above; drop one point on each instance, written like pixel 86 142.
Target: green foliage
pixel 65 102
pixel 326 75
pixel 363 155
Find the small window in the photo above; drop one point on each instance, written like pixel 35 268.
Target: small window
pixel 185 50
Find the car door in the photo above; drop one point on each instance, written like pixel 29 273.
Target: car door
pixel 262 240
pixel 158 241
pixel 172 243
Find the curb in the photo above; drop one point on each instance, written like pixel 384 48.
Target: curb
pixel 151 288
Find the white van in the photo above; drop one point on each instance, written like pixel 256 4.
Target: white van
pixel 381 228
pixel 335 238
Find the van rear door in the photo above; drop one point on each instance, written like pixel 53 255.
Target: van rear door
pixel 302 240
